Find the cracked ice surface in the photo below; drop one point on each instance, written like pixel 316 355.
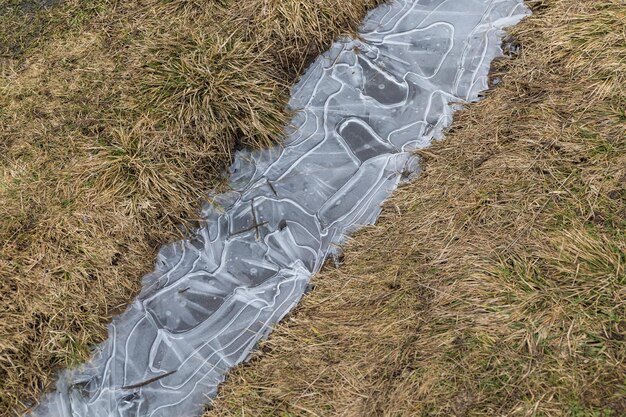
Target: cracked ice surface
pixel 363 106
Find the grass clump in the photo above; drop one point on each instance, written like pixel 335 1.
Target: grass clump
pixel 219 87
pixel 495 284
pixel 300 28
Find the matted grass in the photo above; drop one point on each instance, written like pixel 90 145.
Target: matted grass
pixel 116 118
pixel 495 284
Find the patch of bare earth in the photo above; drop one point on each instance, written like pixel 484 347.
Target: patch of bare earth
pixel 495 284
pixel 116 117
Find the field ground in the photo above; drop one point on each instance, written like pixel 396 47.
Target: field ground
pixel 495 284
pixel 116 118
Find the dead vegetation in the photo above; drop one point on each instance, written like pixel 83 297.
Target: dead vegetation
pixel 300 28
pixel 116 117
pixel 495 284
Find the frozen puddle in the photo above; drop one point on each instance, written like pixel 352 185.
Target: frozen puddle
pixel 364 106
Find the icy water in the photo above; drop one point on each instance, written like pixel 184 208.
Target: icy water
pixel 363 107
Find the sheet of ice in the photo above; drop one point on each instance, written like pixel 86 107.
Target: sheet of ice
pixel 362 107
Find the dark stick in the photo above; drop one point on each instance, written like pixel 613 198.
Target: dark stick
pixel 149 381
pixel 249 228
pixel 272 187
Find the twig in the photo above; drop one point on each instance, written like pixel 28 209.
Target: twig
pixel 272 187
pixel 256 226
pixel 149 381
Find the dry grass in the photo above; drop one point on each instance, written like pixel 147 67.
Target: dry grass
pixel 116 117
pixel 217 85
pixel 300 27
pixel 494 285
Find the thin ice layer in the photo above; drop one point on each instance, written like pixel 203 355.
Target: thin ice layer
pixel 362 107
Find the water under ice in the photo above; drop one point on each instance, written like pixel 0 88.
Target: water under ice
pixel 363 106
